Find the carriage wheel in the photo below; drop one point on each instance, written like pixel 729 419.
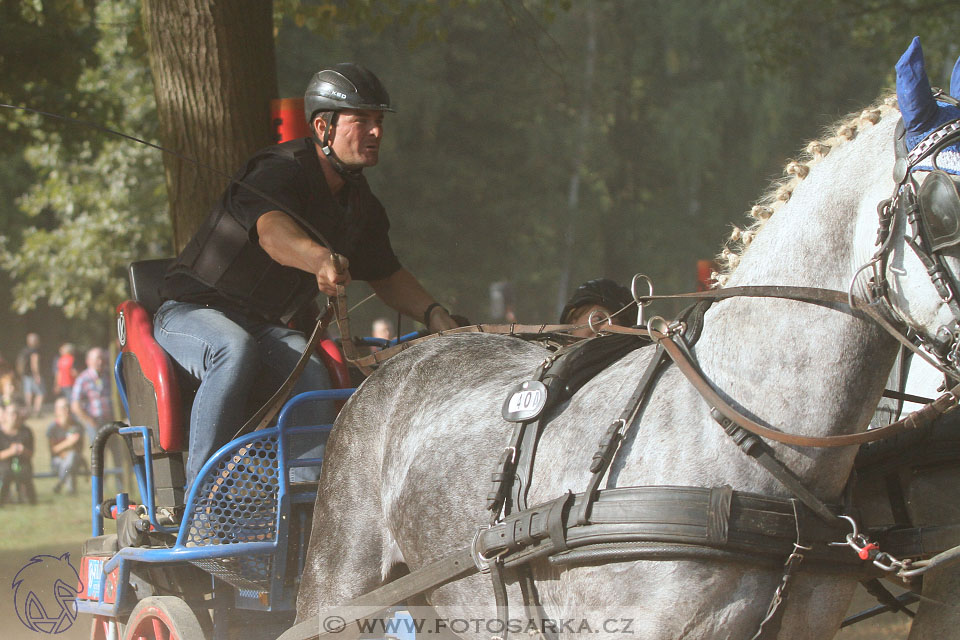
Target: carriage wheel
pixel 102 628
pixel 163 618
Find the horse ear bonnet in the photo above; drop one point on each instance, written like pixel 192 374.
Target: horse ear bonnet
pixel 921 112
pixel 955 80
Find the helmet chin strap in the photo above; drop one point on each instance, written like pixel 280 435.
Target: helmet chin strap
pixel 349 174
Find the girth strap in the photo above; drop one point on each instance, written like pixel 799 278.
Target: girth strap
pixel 719 517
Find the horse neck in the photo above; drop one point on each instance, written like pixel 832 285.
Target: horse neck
pixel 800 367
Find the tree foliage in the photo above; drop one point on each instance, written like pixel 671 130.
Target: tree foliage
pixel 97 202
pixel 44 48
pixel 688 116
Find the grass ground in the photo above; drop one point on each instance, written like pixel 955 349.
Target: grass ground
pixel 60 523
pixel 57 524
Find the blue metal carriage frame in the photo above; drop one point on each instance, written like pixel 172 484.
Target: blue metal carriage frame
pixel 237 517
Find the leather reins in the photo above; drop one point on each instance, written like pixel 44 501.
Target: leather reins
pixel 662 333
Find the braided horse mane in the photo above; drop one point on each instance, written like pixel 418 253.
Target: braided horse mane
pixel 781 190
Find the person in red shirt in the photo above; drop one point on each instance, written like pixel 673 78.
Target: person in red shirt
pixel 66 369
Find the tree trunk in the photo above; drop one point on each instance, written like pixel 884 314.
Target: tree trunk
pixel 214 74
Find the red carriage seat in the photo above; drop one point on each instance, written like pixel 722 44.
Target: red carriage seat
pixel 153 394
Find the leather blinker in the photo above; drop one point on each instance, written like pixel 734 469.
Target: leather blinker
pixel 940 209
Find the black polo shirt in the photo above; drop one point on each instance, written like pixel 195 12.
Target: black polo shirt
pixel 224 266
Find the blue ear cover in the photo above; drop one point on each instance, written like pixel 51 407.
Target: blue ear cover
pixel 955 80
pixel 921 112
pixel 916 102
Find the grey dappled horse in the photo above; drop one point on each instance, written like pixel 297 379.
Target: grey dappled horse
pixel 409 460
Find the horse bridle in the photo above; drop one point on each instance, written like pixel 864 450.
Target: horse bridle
pixel 930 210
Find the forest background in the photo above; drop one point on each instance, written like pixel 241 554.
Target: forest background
pixel 536 142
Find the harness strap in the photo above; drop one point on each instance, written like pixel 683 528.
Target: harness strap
pixel 500 594
pixel 760 451
pixel 530 434
pixel 837 300
pixel 563 373
pixel 265 415
pixel 504 477
pixel 688 367
pixel 453 567
pixel 917 542
pixel 615 432
pixel 526 331
pixel 875 588
pixel 769 627
pixel 906 397
pixel 635 522
pixel 531 603
pixel 718 518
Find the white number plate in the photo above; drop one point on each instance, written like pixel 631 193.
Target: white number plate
pixel 525 401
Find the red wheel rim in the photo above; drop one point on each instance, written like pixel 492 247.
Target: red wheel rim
pixel 163 618
pixel 153 625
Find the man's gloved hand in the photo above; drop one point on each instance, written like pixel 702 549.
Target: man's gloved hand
pixel 333 272
pixel 437 318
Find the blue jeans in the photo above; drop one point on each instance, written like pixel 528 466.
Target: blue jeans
pixel 66 469
pixel 236 359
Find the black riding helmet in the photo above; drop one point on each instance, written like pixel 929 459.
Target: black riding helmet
pixel 602 291
pixel 343 86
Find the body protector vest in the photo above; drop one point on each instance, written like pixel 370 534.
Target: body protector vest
pixel 227 258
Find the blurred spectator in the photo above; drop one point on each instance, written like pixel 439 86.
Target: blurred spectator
pixel 603 299
pixel 28 366
pixel 90 398
pixel 501 302
pixel 65 438
pixel 92 405
pixel 383 329
pixel 9 389
pixel 66 370
pixel 16 455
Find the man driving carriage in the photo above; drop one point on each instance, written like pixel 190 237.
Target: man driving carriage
pixel 261 255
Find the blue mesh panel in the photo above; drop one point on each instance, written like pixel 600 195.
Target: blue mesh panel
pixel 250 573
pixel 236 503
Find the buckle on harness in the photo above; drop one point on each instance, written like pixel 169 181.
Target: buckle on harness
pixel 481 561
pixel 869 551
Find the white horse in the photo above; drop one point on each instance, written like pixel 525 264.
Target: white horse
pixel 409 460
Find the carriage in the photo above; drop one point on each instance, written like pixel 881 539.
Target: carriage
pixel 232 544
pixel 690 515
